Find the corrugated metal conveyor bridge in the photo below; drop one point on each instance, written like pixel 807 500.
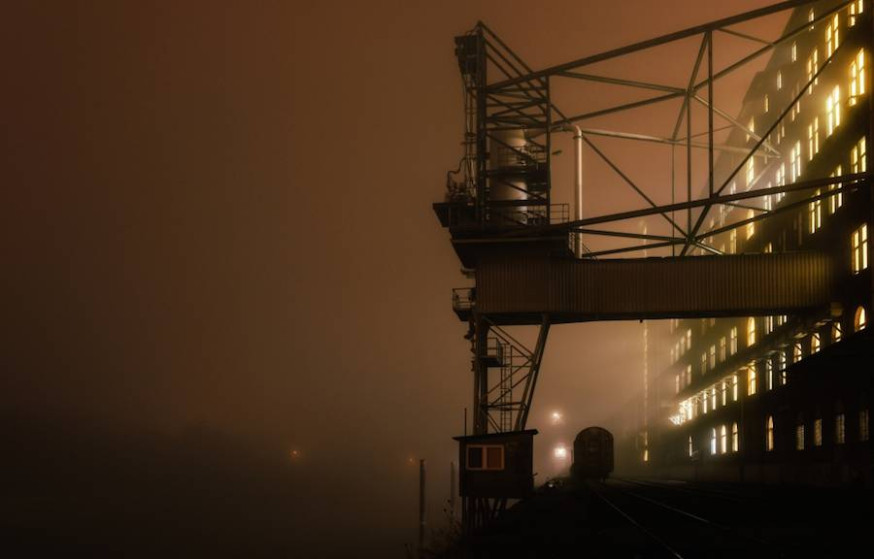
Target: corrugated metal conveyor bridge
pixel 516 287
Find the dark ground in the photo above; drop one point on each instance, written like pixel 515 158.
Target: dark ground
pixel 707 520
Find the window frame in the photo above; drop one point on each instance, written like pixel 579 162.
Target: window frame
pixel 486 464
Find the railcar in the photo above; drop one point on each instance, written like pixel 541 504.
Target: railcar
pixel 593 454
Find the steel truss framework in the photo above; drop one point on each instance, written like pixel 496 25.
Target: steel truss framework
pixel 521 99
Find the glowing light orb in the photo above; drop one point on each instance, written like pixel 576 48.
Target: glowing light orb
pixel 560 453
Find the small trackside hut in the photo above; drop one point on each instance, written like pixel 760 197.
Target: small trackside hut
pixel 497 465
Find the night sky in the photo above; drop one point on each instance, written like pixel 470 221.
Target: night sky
pixel 218 249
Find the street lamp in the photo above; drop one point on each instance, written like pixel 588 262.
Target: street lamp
pixel 556 417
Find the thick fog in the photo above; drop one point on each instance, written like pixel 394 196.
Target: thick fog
pixel 226 299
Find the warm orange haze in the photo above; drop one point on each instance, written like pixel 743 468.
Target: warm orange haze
pixel 229 324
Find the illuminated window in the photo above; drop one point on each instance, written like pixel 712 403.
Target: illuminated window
pixel 769 439
pixel 722 349
pixel 751 331
pixel 863 424
pixel 735 440
pixel 797 352
pixel 833 109
pixel 799 436
pixel 861 320
pixel 794 52
pixel 703 363
pixel 857 77
pixel 860 249
pixel 814 213
pixel 813 138
pixel 810 18
pixel 751 379
pixel 817 432
pixel 840 428
pixel 780 180
pixel 832 35
pixel 815 343
pixel 690 447
pixel 723 439
pixel 751 226
pixel 769 374
pixel 858 157
pixel 676 384
pixel 713 397
pixel 724 389
pixel 795 161
pixel 732 242
pixel 769 320
pixel 713 441
pixel 733 341
pixel 485 457
pixel 688 375
pixel 689 338
pixel 836 200
pixel 856 9
pixel 713 357
pixel 751 172
pixel 734 388
pixel 812 67
pixel 751 129
pixel 705 403
pixel 784 366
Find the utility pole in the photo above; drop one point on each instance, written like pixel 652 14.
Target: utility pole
pixel 421 507
pixel 452 475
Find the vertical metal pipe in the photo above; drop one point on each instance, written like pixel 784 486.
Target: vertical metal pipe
pixel 673 195
pixel 688 168
pixel 452 490
pixel 548 153
pixel 710 111
pixel 578 187
pixel 421 507
pixel 482 148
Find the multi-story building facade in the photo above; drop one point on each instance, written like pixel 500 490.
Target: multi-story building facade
pixel 780 398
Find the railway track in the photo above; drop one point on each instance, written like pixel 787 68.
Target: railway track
pixel 671 528
pixel 644 518
pixel 683 487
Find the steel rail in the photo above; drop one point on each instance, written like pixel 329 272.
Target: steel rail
pixel 635 523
